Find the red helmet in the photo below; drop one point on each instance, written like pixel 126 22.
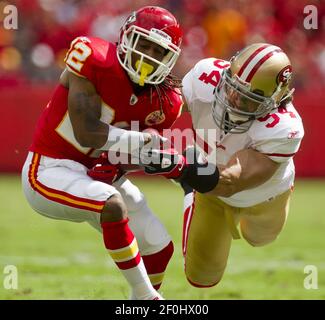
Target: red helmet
pixel 154 24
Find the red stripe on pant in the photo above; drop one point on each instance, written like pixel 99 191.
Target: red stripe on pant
pixel 188 214
pixel 58 195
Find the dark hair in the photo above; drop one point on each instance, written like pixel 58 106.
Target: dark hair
pixel 172 83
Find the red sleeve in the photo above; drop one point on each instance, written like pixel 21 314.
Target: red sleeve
pixel 86 55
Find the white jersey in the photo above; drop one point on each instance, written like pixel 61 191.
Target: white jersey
pixel 278 135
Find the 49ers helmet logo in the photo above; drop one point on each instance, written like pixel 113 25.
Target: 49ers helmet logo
pixel 284 75
pixel 154 118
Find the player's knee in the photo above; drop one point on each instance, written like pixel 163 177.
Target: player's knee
pixel 155 234
pixel 132 196
pixel 201 277
pixel 151 234
pixel 202 282
pixel 114 209
pixel 260 242
pixel 260 238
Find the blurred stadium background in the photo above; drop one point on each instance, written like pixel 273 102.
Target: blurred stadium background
pixel 59 260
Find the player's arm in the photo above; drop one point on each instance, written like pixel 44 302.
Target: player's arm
pixel 246 169
pixel 84 107
pixel 84 103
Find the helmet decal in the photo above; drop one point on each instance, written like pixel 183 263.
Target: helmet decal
pixel 284 75
pixel 256 60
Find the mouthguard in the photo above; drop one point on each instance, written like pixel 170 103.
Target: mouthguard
pixel 145 69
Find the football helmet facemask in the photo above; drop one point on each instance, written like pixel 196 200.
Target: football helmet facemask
pixel 256 82
pixel 158 26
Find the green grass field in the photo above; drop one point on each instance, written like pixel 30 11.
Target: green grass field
pixel 63 260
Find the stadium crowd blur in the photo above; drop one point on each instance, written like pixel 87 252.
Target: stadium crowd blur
pixel 35 52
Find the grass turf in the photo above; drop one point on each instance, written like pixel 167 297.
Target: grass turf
pixel 64 260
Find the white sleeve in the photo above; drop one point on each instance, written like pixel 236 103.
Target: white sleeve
pixel 279 150
pixel 187 88
pixel 280 136
pixel 200 81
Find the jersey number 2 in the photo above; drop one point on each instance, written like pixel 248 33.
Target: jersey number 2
pixel 77 55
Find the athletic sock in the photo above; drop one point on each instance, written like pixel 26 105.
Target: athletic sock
pixel 123 248
pixel 156 264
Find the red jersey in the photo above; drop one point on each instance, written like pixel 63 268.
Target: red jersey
pixel 96 60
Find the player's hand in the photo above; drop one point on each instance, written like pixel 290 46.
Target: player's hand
pixel 104 171
pixel 168 163
pixel 152 141
pixel 190 168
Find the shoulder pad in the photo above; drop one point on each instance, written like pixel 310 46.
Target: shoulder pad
pixel 279 134
pixel 200 82
pixel 280 124
pixel 87 53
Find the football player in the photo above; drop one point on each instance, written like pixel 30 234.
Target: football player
pixel 243 170
pixel 104 87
